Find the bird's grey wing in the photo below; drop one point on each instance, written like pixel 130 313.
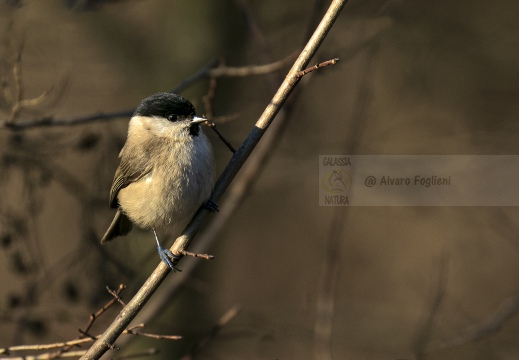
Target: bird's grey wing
pixel 129 170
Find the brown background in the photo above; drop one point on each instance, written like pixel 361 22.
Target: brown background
pixel 415 77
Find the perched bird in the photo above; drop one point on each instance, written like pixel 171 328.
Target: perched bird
pixel 166 171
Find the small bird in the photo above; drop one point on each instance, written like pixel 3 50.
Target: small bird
pixel 166 171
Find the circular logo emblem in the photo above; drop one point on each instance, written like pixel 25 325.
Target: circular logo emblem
pixel 337 181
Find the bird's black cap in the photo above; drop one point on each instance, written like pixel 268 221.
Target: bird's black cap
pixel 165 104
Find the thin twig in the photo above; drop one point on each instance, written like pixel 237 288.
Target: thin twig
pixel 192 254
pixel 242 71
pixel 208 105
pixel 38 347
pixel 18 88
pixel 109 304
pixel 318 66
pixel 225 141
pixel 209 97
pixel 85 336
pixel 16 101
pixel 207 70
pixel 78 342
pixel 115 294
pixel 52 121
pixel 200 74
pixel 133 331
pixel 46 356
pixel 235 164
pixel 157 336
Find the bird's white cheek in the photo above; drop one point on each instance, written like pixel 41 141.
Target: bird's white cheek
pixel 148 179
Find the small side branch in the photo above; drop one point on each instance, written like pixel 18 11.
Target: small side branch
pixel 134 331
pixel 109 304
pixel 192 254
pixel 317 66
pixel 208 71
pixel 14 94
pixel 225 141
pixel 242 71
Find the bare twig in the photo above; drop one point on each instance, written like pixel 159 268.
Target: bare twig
pixel 77 342
pixel 192 254
pixel 208 105
pixel 200 74
pixel 109 304
pixel 85 336
pixel 52 121
pixel 116 296
pixel 46 356
pixel 317 66
pixel 133 331
pixel 237 161
pixel 225 141
pixel 243 71
pixel 209 97
pixel 18 88
pixel 208 70
pixel 14 94
pixel 39 347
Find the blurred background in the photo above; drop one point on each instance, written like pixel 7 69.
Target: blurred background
pixel 301 281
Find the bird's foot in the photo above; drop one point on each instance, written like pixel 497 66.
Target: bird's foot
pixel 168 257
pixel 211 206
pixel 165 254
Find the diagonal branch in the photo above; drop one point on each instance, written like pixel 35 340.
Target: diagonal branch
pixel 244 181
pixel 152 283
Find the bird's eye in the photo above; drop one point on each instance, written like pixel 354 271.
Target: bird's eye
pixel 172 117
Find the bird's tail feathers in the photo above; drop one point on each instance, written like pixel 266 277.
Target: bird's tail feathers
pixel 120 226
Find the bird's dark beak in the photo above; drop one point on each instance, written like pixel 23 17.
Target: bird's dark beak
pixel 198 119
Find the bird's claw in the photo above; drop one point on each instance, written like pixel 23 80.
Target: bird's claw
pixel 211 206
pixel 168 257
